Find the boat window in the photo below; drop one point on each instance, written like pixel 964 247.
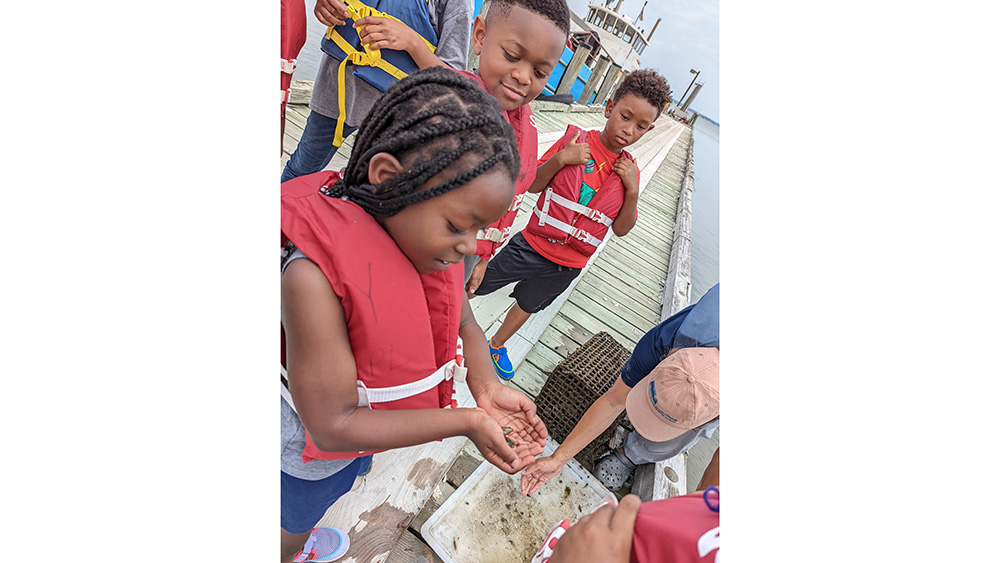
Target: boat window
pixel 640 45
pixel 598 18
pixel 590 15
pixel 619 28
pixel 609 23
pixel 628 34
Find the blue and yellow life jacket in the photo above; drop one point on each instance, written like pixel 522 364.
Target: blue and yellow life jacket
pixel 380 68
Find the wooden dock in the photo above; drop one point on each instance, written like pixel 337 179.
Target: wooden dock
pixel 629 285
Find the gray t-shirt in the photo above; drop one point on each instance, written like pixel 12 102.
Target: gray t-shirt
pixel 293 434
pixel 451 20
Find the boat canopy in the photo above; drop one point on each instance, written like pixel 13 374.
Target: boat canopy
pixel 618 25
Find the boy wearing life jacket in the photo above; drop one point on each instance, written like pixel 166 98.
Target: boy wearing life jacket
pixel 519 43
pixel 591 187
pixel 374 315
pixel 367 49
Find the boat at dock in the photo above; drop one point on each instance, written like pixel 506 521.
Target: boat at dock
pixel 603 46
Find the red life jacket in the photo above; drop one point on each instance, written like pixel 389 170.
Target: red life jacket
pixel 558 216
pixel 293 37
pixel 526 136
pixel 678 529
pixel 403 326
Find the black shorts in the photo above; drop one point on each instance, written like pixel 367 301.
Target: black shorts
pixel 540 280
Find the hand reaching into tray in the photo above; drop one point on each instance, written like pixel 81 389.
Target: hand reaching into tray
pixel 536 474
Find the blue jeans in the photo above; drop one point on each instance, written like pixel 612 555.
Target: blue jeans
pixel 303 502
pixel 315 149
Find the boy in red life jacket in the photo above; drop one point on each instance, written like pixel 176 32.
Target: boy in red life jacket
pixel 591 187
pixel 519 43
pixel 373 304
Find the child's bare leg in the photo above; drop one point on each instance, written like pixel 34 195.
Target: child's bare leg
pixel 291 544
pixel 515 319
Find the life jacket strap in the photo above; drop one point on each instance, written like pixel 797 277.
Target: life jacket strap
pixel 572 231
pixel 288 65
pixel 453 369
pixel 517 202
pixel 590 213
pixel 493 234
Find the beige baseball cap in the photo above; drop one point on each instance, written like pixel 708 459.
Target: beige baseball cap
pixel 681 393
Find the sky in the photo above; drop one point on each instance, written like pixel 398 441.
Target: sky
pixel 687 38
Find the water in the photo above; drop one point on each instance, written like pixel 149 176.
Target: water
pixel 705 209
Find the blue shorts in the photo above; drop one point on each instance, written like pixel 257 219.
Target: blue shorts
pixel 304 502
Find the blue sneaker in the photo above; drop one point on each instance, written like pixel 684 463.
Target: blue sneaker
pixel 324 544
pixel 501 363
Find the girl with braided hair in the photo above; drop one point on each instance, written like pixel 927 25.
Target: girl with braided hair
pixel 374 313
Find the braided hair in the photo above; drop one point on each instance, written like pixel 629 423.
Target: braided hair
pixel 432 121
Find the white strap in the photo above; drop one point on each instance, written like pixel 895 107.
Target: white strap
pixel 493 234
pixel 286 95
pixel 288 65
pixel 517 202
pixel 367 396
pixel 387 394
pixel 589 212
pixel 574 232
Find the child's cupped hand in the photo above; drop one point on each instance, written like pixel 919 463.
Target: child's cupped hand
pixel 509 408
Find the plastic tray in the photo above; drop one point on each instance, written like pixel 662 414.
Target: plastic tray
pixel 487 520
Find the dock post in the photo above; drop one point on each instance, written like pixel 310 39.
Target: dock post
pixel 609 80
pixel 600 68
pixel 573 69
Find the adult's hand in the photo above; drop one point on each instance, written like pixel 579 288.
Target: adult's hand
pixel 512 409
pixel 536 474
pixel 605 535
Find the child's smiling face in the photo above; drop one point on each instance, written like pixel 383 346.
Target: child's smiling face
pixel 440 231
pixel 517 53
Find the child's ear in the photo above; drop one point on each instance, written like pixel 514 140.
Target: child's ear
pixel 608 108
pixel 478 34
pixel 382 167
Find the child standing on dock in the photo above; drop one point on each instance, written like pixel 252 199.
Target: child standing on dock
pixel 519 43
pixel 591 187
pixel 373 302
pixel 420 34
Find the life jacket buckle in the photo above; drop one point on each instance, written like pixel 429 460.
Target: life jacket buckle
pixel 288 65
pixel 581 235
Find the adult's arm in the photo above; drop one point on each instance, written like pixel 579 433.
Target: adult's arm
pixel 597 419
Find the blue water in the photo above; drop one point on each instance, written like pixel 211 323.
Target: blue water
pixel 705 209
